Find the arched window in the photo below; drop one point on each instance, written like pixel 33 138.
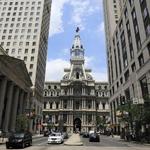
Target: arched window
pixel 77 75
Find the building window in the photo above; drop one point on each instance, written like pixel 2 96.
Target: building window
pixel 30 74
pixel 148 47
pixel 31 66
pixel 103 105
pixel 34 44
pixel 19 51
pixel 126 75
pixel 144 87
pixel 25 58
pixel 32 58
pixel 141 60
pixel 13 51
pixel 26 51
pixel 133 66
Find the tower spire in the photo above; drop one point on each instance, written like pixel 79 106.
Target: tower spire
pixel 77 50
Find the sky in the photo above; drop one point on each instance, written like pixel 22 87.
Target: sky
pixel 66 16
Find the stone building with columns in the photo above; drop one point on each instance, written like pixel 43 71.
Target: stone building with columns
pixel 74 103
pixel 15 91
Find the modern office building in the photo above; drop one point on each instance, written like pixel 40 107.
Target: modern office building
pixel 128 55
pixel 24 28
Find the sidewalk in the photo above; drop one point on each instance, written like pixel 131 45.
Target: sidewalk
pixel 3 140
pixel 117 137
pixel 74 140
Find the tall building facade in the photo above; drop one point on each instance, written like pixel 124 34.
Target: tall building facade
pixel 15 90
pixel 75 102
pixel 24 28
pixel 128 55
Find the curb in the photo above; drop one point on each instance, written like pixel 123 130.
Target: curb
pixel 74 144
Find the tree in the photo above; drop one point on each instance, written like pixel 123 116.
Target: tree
pixel 22 122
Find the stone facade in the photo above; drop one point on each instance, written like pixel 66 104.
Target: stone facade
pixel 128 56
pixel 15 91
pixel 24 29
pixel 73 103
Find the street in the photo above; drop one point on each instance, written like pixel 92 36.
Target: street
pixel 106 143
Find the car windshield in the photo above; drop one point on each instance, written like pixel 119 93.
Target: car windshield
pixel 18 135
pixel 55 134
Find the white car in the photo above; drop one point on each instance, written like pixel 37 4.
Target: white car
pixel 55 138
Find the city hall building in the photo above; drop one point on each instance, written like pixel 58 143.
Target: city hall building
pixel 74 103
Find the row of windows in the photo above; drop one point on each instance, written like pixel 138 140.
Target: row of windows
pixel 20 43
pixel 77 104
pixel 19 51
pixel 17 37
pixel 21 3
pixel 20 9
pixel 6 25
pixel 19 14
pixel 19 19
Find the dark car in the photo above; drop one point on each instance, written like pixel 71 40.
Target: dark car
pixel 19 140
pixel 85 135
pixel 94 137
pixel 65 135
pixel 46 133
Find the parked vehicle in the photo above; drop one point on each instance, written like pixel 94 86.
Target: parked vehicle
pixel 19 140
pixel 55 138
pixel 94 137
pixel 46 133
pixel 85 135
pixel 65 135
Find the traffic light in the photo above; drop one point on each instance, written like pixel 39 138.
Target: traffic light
pixel 122 100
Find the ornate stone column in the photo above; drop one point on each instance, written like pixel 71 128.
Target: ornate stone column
pixel 8 107
pixel 3 86
pixel 14 109
pixel 21 98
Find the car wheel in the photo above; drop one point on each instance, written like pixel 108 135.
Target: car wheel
pixel 23 145
pixel 7 146
pixel 30 143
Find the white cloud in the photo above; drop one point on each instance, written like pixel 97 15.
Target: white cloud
pixel 100 76
pixel 66 51
pixel 55 69
pixel 81 9
pixel 101 27
pixel 56 22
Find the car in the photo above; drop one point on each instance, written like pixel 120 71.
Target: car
pixel 94 137
pixel 21 139
pixel 46 133
pixel 55 138
pixel 65 135
pixel 85 134
pixel 91 131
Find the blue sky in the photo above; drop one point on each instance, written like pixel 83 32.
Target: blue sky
pixel 66 15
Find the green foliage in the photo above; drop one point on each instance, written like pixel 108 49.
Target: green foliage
pixel 21 122
pixel 100 122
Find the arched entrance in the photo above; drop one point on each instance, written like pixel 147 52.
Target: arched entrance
pixel 77 125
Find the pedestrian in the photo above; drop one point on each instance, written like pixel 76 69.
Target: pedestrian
pixel 112 134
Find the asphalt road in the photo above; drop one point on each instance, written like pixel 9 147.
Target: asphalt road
pixel 106 143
